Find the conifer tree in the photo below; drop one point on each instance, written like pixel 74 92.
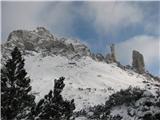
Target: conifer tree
pixel 53 107
pixel 16 98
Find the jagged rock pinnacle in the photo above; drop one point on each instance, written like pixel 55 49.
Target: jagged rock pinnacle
pixel 138 62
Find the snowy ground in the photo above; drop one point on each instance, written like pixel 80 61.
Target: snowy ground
pixel 87 81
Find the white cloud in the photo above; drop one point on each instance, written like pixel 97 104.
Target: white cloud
pixel 56 16
pixel 19 15
pixel 111 16
pixel 149 46
pixel 59 17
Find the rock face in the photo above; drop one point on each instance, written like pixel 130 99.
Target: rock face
pixel 108 58
pixel 138 62
pixel 42 41
pixel 99 57
pixel 111 57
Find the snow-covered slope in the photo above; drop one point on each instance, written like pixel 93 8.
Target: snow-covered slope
pixel 88 82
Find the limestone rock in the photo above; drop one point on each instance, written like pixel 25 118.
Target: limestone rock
pixel 138 62
pixel 111 57
pixel 108 58
pixel 99 57
pixel 42 41
pixel 113 53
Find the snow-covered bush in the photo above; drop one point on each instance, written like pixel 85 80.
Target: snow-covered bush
pixel 127 97
pixel 132 103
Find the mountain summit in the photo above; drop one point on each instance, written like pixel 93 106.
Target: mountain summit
pixel 42 41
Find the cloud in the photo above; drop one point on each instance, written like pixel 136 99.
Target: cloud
pixel 112 16
pixel 19 15
pixel 149 46
pixel 59 17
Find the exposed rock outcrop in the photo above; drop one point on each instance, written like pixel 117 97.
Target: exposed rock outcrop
pixel 42 41
pixel 100 57
pixel 111 57
pixel 138 62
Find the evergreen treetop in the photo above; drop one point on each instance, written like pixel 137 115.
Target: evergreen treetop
pixel 15 88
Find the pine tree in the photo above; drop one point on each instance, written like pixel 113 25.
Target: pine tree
pixel 16 98
pixel 52 106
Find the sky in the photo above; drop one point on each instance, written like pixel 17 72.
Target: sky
pixel 129 25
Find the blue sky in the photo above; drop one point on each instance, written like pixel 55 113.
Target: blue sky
pixel 130 25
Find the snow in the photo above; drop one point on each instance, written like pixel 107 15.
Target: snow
pixel 71 41
pixel 87 81
pixel 81 118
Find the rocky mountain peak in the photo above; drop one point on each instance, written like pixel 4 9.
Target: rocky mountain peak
pixel 42 31
pixel 26 35
pixel 42 41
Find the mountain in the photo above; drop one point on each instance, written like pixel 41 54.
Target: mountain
pixel 41 40
pixel 89 79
